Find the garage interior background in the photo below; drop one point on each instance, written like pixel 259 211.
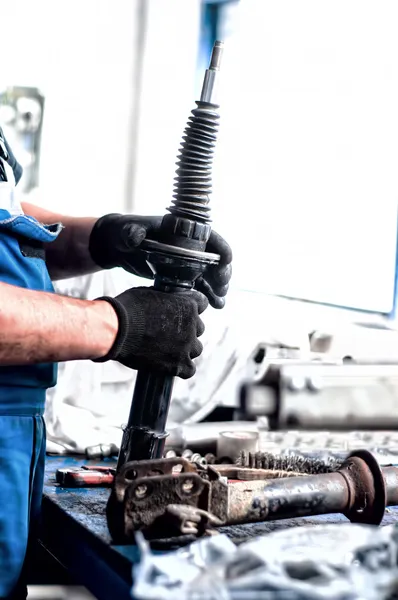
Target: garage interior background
pixel 304 178
pixel 307 151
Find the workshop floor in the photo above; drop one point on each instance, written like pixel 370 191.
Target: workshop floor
pixel 58 592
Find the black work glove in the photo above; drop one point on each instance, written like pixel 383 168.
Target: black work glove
pixel 115 239
pixel 158 331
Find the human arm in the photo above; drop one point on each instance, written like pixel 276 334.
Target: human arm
pixel 68 255
pixel 140 328
pixel 42 327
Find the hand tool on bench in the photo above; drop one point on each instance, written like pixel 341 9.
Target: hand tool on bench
pixel 86 476
pixel 177 258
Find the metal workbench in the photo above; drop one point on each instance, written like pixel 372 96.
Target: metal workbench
pixel 75 532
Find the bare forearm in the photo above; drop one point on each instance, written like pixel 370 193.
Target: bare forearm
pixel 39 327
pixel 68 255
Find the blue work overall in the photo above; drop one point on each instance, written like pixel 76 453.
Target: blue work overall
pixel 22 399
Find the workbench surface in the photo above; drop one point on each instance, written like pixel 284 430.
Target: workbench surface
pixel 75 532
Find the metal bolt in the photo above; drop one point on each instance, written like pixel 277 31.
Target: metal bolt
pixel 187 486
pixel 170 454
pixel 199 459
pixel 141 491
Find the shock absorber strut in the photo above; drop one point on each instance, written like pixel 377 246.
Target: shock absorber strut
pixel 177 259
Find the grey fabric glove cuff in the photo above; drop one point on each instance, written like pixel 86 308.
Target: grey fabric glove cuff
pixel 126 341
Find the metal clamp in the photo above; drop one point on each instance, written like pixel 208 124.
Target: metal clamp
pixel 144 492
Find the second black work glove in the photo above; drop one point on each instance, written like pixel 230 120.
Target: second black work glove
pixel 115 240
pixel 158 331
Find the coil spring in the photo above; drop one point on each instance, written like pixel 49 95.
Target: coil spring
pixel 193 182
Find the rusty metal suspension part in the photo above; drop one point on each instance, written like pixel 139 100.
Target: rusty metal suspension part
pixel 146 494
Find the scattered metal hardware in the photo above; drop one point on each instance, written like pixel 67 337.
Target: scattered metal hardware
pixel 319 396
pixel 144 490
pixel 295 464
pixel 177 260
pixel 231 443
pixel 170 454
pixel 210 458
pixel 187 453
pixel 195 457
pixel 87 476
pixel 198 459
pixel 203 437
pixel 101 451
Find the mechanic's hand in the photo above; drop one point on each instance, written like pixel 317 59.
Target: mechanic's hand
pixel 158 331
pixel 115 240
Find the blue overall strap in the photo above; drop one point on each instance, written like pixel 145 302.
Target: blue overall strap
pixel 7 155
